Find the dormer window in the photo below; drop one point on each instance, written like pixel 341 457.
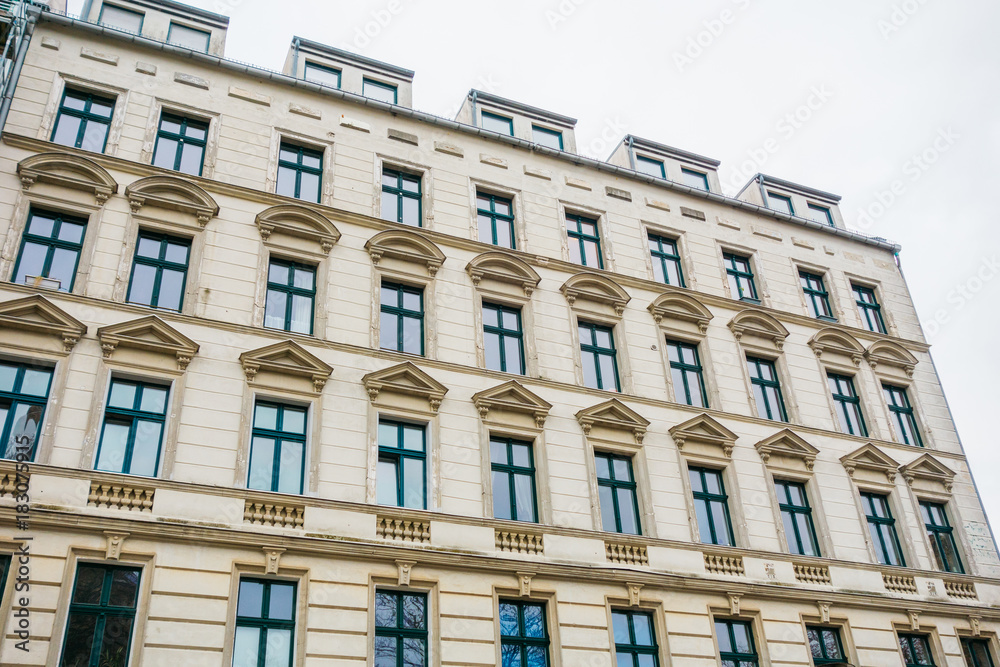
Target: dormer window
pixel 780 203
pixel 189 38
pixel 543 136
pixel 324 76
pixel 649 166
pixel 820 214
pixel 383 92
pixel 496 123
pixel 694 179
pixel 120 18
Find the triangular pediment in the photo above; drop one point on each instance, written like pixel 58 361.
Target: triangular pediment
pixel 613 414
pixel 406 246
pixel 837 342
pixel 38 314
pixel 298 221
pixel 787 444
pixel 870 457
pixel 504 268
pixel 148 333
pixel 596 289
pixel 678 306
pixel 69 171
pixel 405 378
pixel 888 353
pixel 928 468
pixel 288 358
pixel 704 430
pixel 512 396
pixel 173 193
pixel 759 324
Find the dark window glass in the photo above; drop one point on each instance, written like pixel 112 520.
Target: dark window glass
pixel 133 428
pixel 101 616
pixel 401 476
pixel 265 624
pixel 401 200
pixel 904 424
pixel 546 137
pixel 401 327
pixel 666 260
pixel 868 308
pixel 513 467
pixel 942 537
pixel 796 516
pixel 495 123
pixel 916 651
pixel 600 362
pixel 766 389
pixel 686 374
pixel 159 271
pixel 83 120
pixel 50 250
pixel 736 644
pixel 616 489
pixel 825 646
pixel 882 529
pixel 495 217
pixel 189 38
pixel 816 295
pixel 180 144
pixel 524 637
pixel 635 639
pixel 848 405
pixel 584 241
pixel 711 506
pixel 741 283
pixel 977 652
pixel 24 391
pixel 4 571
pixel 400 629
pixel 291 293
pixel 649 166
pixel 325 76
pixel 300 172
pixel 278 448
pixel 383 92
pixel 503 338
pixel 820 214
pixel 694 179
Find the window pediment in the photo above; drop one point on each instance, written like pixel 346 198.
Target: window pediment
pixel 69 171
pixel 150 334
pixel 405 246
pixel 786 444
pixel 172 193
pixel 596 289
pixel 286 358
pixel 928 469
pixel 512 396
pixel 870 458
pixel 760 325
pixel 407 379
pixel 614 415
pixel 300 222
pixel 683 307
pixel 503 268
pixel 704 431
pixel 38 314
pixel 838 343
pixel 888 353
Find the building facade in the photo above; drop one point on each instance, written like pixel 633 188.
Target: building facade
pixel 293 374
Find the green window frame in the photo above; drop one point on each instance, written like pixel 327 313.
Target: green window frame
pixel 265 623
pixel 977 652
pixel 666 260
pixel 50 250
pixel 278 447
pixel 401 474
pixel 711 504
pixel 497 123
pixel 379 90
pixel 942 537
pixel 904 422
pixel 740 276
pixel 796 517
pixel 816 296
pixel 132 433
pixel 916 650
pixel 159 271
pixel 686 373
pixel 291 296
pixel 83 120
pixel 180 144
pixel 780 203
pixel 599 356
pixel 127 14
pixel 512 464
pixel 766 389
pixel 650 167
pixel 503 338
pixel 825 645
pixel 635 638
pixel 401 325
pixel 868 308
pixel 618 494
pixel 401 198
pixel 524 635
pixel 543 136
pixel 400 629
pixel 584 241
pixel 848 404
pixel 736 644
pixel 694 179
pixel 882 529
pixel 821 214
pixel 495 217
pixel 101 618
pixel 322 75
pixel 24 394
pixel 300 172
pixel 188 37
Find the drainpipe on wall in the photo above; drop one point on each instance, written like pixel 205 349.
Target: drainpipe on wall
pixel 475 120
pixel 763 192
pixel 31 13
pixel 631 153
pixel 295 57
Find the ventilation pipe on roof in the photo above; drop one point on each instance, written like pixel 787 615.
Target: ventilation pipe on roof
pixel 295 57
pixel 475 121
pixel 763 192
pixel 631 153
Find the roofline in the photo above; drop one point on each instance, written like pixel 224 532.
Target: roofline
pixel 795 187
pixel 540 114
pixel 348 55
pixel 277 77
pixel 187 9
pixel 671 151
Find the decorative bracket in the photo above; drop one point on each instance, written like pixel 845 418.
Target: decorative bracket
pixel 824 610
pixel 116 540
pixel 524 583
pixel 974 625
pixel 914 615
pixel 734 603
pixel 405 567
pixel 272 559
pixel 633 593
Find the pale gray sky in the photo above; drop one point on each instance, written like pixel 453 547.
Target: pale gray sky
pixel 902 124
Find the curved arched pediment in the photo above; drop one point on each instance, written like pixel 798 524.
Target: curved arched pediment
pixel 299 221
pixel 758 324
pixel 891 354
pixel 172 193
pixel 838 342
pixel 597 289
pixel 503 268
pixel 69 171
pixel 677 306
pixel 406 246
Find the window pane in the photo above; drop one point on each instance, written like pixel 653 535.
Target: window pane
pixel 154 399
pixel 719 517
pixel 608 523
pixel 171 286
pixel 501 495
pixel 390 202
pixel 166 152
pixel 322 75
pixel 704 522
pixel 281 602
pixel 278 647
pixel 386 488
pixel 385 652
pixel 411 211
pixel 189 38
pixel 309 186
pixel 286 182
pixel 261 463
pixel 301 314
pixel 413 476
pixel 609 380
pixel 113 443
pixel 413 652
pixel 619 622
pixel 79 639
pixel 146 448
pixel 504 236
pixel 492 348
pixel 93 136
pixel 124 588
pixel 512 348
pixel 590 250
pixel 35 383
pixel 805 530
pixel 63 267
pixel 251 599
pixel 411 301
pixel 413 611
pixel 191 159
pixel 412 335
pixel 626 509
pixel 121 18
pixel 245 651
pixel 590 369
pixel 274 309
pixel 89 582
pixel 524 494
pixel 643 630
pixel 290 467
pixel 385 610
pixel 31 262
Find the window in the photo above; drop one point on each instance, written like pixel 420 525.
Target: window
pixel 324 76
pixel 825 646
pixel 616 489
pixel 546 137
pixel 513 469
pixel 291 291
pixel 495 123
pixel 882 528
pixel 584 241
pixel 159 270
pixel 496 220
pixel 736 645
pixel 740 275
pixel 820 214
pixel 816 296
pixel 904 424
pixel 180 144
pixel 780 203
pixel 597 351
pixel 401 198
pixel 694 179
pixel 101 615
pixel 711 506
pixel 300 172
pixel 265 624
pixel 383 92
pixel 503 338
pixel 916 651
pixel 4 570
pixel 942 538
pixel 24 391
pixel 400 629
pixel 401 327
pixel 189 38
pixel 848 405
pixel 277 448
pixel 635 639
pixel 123 19
pixel 401 476
pixel 685 371
pixel 977 652
pixel 666 260
pixel 766 389
pixel 50 250
pixel 133 428
pixel 649 166
pixel 524 639
pixel 83 121
pixel 796 516
pixel 868 308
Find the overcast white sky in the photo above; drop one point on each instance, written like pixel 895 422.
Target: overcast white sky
pixel 904 95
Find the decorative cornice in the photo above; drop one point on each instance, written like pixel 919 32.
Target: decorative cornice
pixel 680 306
pixel 870 457
pixel 405 246
pixel 69 171
pixel 148 333
pixel 407 379
pixel 705 430
pixel 287 358
pixel 171 192
pixel 512 396
pixel 786 443
pixel 502 267
pixel 298 221
pixel 37 314
pixel 616 415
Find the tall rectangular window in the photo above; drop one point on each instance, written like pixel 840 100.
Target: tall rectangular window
pixel 401 200
pixel 868 308
pixel 401 327
pixel 820 214
pixel 796 516
pixel 600 361
pixel 50 250
pixel 265 624
pixel 666 260
pixel 291 293
pixel 848 404
pixel 4 571
pixel 400 629
pixel 766 389
pixel 694 179
pixel 121 18
pixel 584 241
pixel 543 136
pixel 977 652
pixel 300 172
pixel 650 167
pixel 180 144
pixel 189 38
pixel 942 537
pixel 503 338
pixel 496 220
pixel 686 374
pixel 825 645
pixel 83 120
pixel 711 506
pixel 377 90
pixel 278 448
pixel 513 468
pixel 916 650
pixel 781 203
pixel 324 76
pixel 740 275
pixel 524 636
pixel 101 616
pixel 736 644
pixel 133 428
pixel 816 296
pixel 635 639
pixel 882 529
pixel 904 423
pixel 616 489
pixel 401 475
pixel 159 271
pixel 496 123
pixel 24 391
